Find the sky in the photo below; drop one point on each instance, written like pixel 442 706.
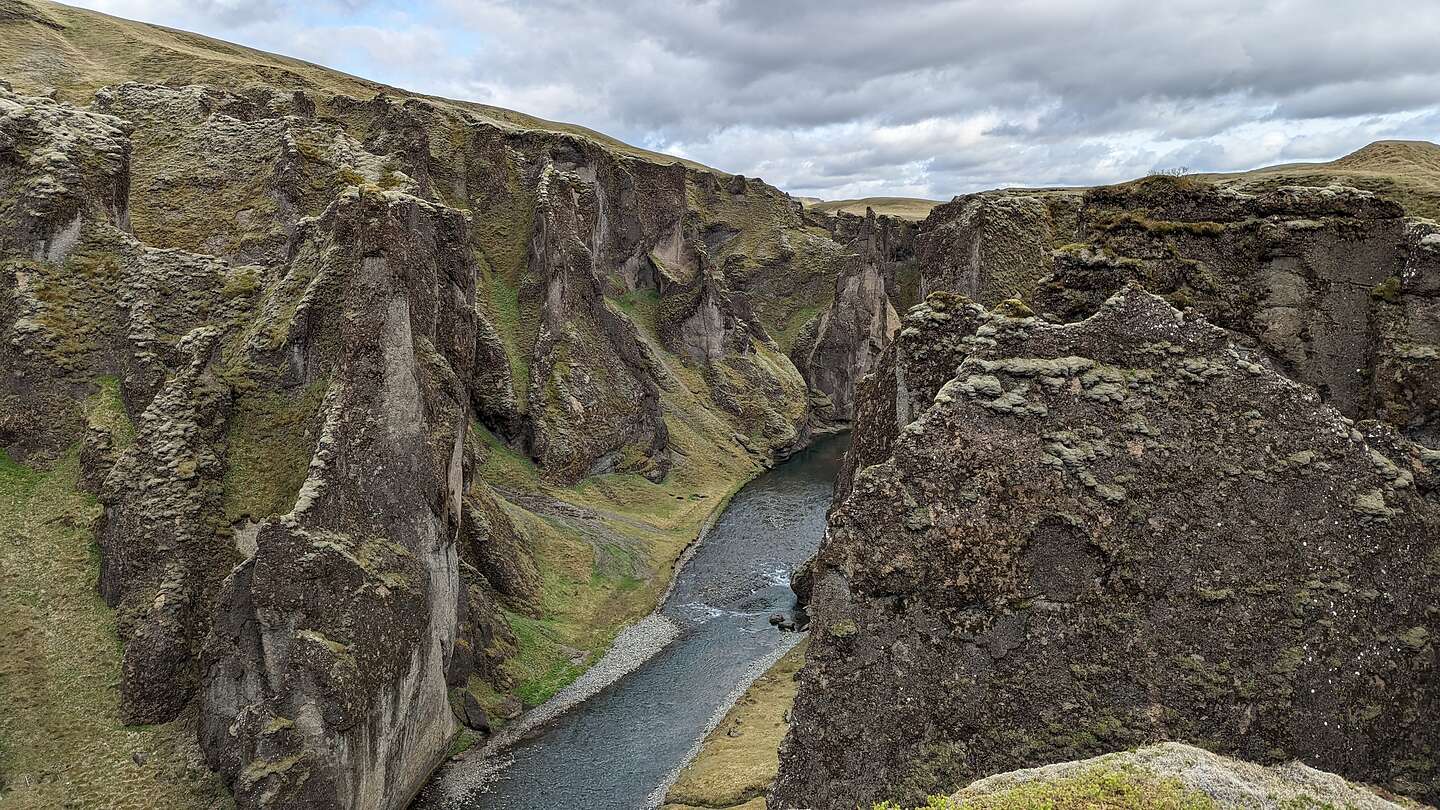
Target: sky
pixel 854 98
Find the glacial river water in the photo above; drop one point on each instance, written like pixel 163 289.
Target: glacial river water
pixel 621 748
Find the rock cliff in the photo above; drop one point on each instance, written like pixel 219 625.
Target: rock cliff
pixel 1332 282
pixel 1074 544
pixel 844 342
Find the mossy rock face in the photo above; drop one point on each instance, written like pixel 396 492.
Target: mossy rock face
pixel 862 318
pixel 1053 545
pixel 1333 280
pixel 994 245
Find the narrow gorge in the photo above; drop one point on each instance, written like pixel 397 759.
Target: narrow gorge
pixel 363 448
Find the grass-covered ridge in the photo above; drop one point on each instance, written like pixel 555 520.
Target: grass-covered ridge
pixel 115 50
pixel 1407 172
pixel 61 740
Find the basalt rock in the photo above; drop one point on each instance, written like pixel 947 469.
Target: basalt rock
pixel 1094 536
pixel 1333 283
pixel 347 704
pixel 593 381
pixel 60 167
pixel 995 244
pixel 847 339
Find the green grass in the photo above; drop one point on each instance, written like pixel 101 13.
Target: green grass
pixel 643 307
pixel 107 410
pixel 1111 788
pixel 591 588
pixel 269 444
pixel 61 739
pixel 792 324
pixel 541 666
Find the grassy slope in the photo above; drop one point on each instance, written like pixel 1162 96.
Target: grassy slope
pixel 739 759
pixel 899 207
pixel 61 740
pixel 47 45
pixel 1407 172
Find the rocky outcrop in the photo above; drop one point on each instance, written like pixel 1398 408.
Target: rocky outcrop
pixel 59 168
pixel 1073 548
pixel 593 382
pixel 1330 282
pixel 842 345
pixel 343 701
pixel 995 244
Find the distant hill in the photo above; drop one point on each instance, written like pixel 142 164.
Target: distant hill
pixel 910 208
pixel 1407 172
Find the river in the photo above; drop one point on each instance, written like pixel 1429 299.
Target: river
pixel 622 747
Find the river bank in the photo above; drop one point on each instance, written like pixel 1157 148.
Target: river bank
pixel 671 677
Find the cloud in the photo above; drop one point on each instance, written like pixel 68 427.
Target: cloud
pixel 843 97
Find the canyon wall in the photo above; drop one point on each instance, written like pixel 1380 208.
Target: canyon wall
pixel 1190 499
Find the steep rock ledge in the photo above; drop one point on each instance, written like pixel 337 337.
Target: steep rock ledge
pixel 1334 283
pixel 342 701
pixel 1070 546
pixel 843 344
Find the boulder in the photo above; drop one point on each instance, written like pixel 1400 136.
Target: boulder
pixel 1174 774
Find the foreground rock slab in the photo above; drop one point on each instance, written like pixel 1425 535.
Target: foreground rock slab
pixel 1192 777
pixel 1106 534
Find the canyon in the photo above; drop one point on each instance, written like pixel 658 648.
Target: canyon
pixel 342 427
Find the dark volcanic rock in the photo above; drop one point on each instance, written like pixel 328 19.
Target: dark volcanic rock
pixel 995 244
pixel 1105 534
pixel 848 338
pixel 472 714
pixel 593 378
pixel 60 167
pixel 1334 283
pixel 337 697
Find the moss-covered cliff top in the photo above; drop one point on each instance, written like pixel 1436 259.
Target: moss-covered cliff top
pixel 47 46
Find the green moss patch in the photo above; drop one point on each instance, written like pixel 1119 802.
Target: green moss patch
pixel 61 740
pixel 270 441
pixel 1112 788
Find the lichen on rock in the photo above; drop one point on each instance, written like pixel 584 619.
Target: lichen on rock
pixel 1008 585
